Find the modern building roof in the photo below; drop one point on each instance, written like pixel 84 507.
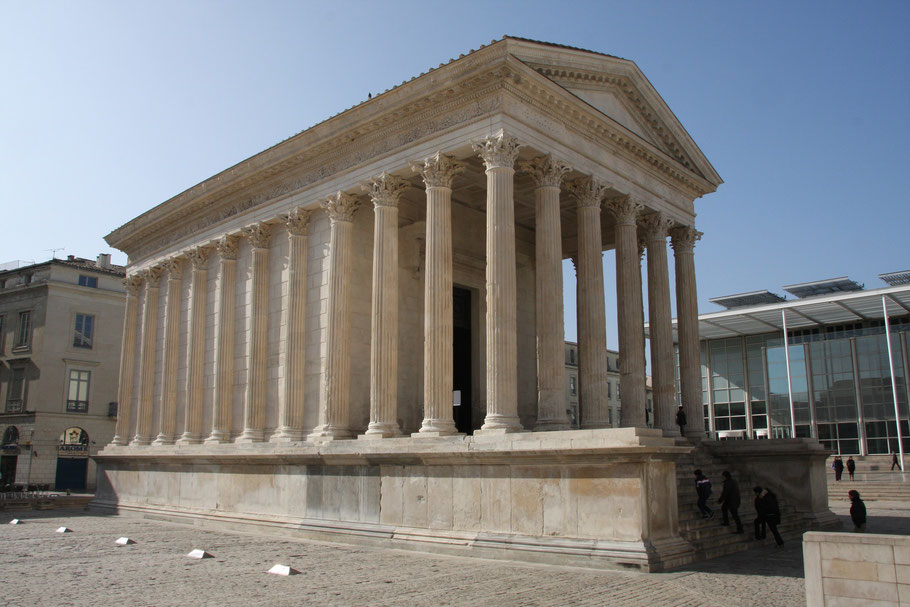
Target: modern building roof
pixel 753 298
pixel 896 278
pixel 823 287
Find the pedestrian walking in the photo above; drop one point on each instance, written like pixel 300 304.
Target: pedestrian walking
pixel 838 466
pixel 895 461
pixel 730 500
pixel 857 512
pixel 703 489
pixel 767 514
pixel 681 420
pixel 851 467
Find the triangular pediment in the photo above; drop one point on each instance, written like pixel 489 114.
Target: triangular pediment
pixel 613 104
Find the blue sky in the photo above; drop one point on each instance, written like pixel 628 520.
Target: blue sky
pixel 802 107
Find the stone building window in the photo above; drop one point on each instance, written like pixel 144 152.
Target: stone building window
pixel 83 331
pixel 77 394
pixel 15 391
pixel 24 334
pixel 88 281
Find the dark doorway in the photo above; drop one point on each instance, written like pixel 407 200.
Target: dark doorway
pixel 8 469
pixel 71 473
pixel 461 358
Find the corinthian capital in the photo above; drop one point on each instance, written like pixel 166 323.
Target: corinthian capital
pixel 385 190
pixel 298 221
pixel 174 266
pixel 588 191
pixel 132 283
pixel 683 238
pixel 438 170
pixel 258 234
pixel 341 206
pixel 199 257
pixel 152 276
pixel 625 209
pixel 498 151
pixel 227 247
pixel 654 226
pixel 545 171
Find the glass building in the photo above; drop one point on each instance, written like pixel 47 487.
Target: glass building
pixel 814 366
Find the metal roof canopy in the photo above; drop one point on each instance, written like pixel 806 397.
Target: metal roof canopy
pixel 896 278
pixel 823 287
pixel 753 298
pixel 838 308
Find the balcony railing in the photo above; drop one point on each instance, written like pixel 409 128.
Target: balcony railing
pixel 14 406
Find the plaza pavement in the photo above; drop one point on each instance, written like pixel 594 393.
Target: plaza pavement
pixel 41 567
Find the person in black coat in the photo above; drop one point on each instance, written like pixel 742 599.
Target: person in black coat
pixel 767 513
pixel 857 512
pixel 703 489
pixel 729 501
pixel 838 466
pixel 851 467
pixel 681 420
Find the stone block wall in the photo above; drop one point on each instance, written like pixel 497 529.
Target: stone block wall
pixel 856 569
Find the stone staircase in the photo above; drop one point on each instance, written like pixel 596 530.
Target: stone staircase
pixel 873 479
pixel 708 536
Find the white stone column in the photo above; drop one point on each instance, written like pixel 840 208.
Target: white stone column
pixel 499 153
pixel 683 239
pixel 143 436
pixel 223 401
pixel 291 407
pixel 257 372
pixel 628 291
pixel 551 342
pixel 132 283
pixel 594 402
pixel 192 431
pixel 335 395
pixel 167 420
pixel 437 172
pixel 385 192
pixel 660 320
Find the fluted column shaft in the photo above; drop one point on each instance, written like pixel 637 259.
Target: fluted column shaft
pixel 499 153
pixel 683 242
pixel 551 369
pixel 257 372
pixel 147 363
pixel 291 406
pixel 192 427
pixel 594 402
pixel 661 324
pixel 438 171
pixel 628 290
pixel 127 361
pixel 167 420
pixel 223 400
pixel 335 395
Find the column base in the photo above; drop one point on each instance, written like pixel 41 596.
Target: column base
pixel 496 423
pixel 437 427
pixel 164 439
pixel 381 430
pixel 251 436
pixel 141 441
pixel 218 438
pixel 329 432
pixel 120 441
pixel 189 439
pixel 288 435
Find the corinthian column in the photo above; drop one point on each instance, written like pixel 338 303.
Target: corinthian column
pixel 660 317
pixel 223 401
pixel 291 407
pixel 683 239
pixel 437 172
pixel 551 368
pixel 257 372
pixel 628 290
pixel 592 323
pixel 192 430
pixel 167 421
pixel 385 192
pixel 132 284
pixel 335 395
pixel 499 153
pixel 143 436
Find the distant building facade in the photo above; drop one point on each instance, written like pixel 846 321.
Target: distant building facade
pixel 613 390
pixel 61 323
pixel 840 384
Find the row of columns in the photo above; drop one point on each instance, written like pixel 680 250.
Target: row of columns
pixel 499 154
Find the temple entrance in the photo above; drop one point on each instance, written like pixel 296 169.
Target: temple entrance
pixel 461 359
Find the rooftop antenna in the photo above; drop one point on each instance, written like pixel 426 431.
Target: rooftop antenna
pixel 54 251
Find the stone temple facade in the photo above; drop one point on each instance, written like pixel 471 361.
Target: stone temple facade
pixel 298 326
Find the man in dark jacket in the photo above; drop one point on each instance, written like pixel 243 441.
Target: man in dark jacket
pixel 857 512
pixel 767 513
pixel 703 489
pixel 681 420
pixel 730 500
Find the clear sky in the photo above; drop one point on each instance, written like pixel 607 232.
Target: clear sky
pixel 110 108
